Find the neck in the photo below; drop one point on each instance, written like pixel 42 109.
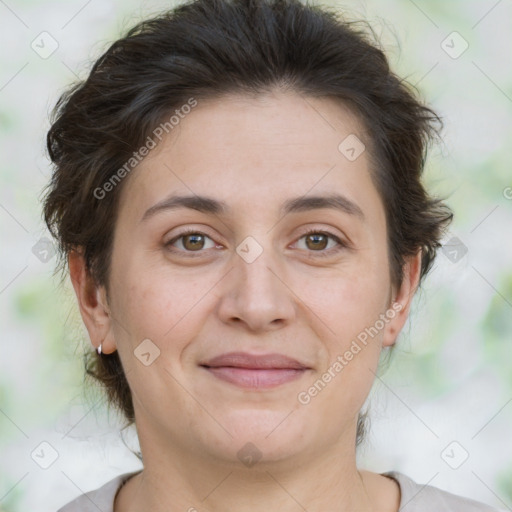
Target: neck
pixel 175 480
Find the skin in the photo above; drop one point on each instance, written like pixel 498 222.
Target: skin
pixel 253 153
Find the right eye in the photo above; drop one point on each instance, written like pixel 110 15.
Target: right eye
pixel 191 241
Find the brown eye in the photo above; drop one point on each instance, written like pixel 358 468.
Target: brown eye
pixel 190 241
pixel 193 242
pixel 317 241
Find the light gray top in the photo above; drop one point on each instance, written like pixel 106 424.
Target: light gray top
pixel 415 497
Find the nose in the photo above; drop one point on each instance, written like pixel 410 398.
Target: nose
pixel 257 295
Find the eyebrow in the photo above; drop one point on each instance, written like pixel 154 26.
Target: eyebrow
pixel 215 207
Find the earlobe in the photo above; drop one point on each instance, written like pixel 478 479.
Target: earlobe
pixel 92 303
pixel 401 304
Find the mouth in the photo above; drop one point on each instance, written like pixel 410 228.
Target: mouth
pixel 252 378
pixel 255 371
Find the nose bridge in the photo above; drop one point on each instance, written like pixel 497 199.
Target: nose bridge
pixel 257 265
pixel 257 294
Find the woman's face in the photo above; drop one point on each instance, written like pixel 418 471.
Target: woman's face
pixel 252 281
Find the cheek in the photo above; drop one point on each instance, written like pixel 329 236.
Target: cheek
pixel 351 346
pixel 164 306
pixel 160 318
pixel 349 306
pixel 350 300
pixel 160 308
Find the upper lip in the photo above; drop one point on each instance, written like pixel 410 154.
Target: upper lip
pixel 256 361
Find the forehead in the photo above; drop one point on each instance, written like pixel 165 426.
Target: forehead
pixel 249 150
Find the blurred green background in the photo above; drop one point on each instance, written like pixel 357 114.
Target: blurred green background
pixel 450 378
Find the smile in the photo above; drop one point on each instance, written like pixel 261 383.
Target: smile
pixel 256 378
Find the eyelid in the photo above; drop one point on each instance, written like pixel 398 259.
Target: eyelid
pixel 185 232
pixel 341 242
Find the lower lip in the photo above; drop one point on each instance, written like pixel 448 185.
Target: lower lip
pixel 256 378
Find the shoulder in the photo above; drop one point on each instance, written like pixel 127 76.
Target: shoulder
pixel 414 497
pixel 424 498
pixel 99 499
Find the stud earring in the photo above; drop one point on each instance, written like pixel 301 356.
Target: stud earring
pixel 99 349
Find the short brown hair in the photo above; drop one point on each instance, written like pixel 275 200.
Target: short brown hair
pixel 207 48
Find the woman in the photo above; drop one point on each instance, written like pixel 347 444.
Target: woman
pixel 237 196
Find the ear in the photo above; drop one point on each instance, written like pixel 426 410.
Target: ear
pixel 93 304
pixel 399 307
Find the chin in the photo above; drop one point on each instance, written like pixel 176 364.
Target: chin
pixel 272 434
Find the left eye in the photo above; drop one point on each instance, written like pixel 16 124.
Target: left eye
pixel 318 240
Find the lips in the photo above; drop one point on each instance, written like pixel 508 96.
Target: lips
pixel 255 371
pixel 256 362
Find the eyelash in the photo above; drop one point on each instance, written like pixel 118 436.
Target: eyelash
pixel 322 254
